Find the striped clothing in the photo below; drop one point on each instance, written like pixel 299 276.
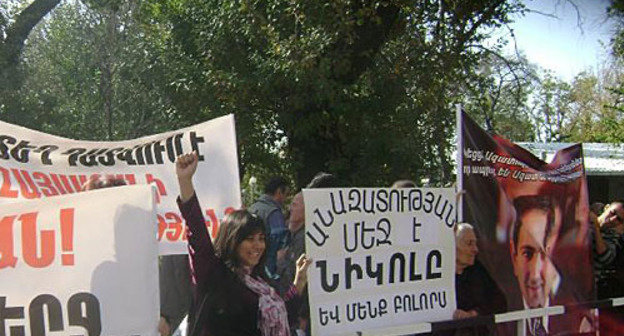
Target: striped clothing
pixel 606 264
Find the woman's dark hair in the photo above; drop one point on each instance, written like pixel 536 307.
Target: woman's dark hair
pixel 235 227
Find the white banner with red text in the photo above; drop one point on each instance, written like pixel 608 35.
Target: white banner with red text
pixel 35 165
pixel 80 264
pixel 381 257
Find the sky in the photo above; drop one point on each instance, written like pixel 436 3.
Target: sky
pixel 558 43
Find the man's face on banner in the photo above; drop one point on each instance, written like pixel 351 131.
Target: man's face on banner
pixel 531 262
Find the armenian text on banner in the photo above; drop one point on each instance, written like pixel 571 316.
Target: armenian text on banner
pixel 80 264
pixel 34 165
pixel 532 224
pixel 381 257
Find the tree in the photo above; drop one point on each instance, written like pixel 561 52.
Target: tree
pixel 499 95
pixel 362 89
pixel 365 90
pixel 13 37
pixel 552 109
pixel 91 72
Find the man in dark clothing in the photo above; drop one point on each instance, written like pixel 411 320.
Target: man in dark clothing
pixel 269 208
pixel 175 291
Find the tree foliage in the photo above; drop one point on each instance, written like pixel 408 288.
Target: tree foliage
pixel 93 74
pixel 362 89
pixel 499 96
pixel 13 35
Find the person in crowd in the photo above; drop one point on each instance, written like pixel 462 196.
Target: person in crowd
pixel 403 184
pixel 173 272
pixel 476 292
pixel 286 264
pixel 609 264
pixel 269 208
pixel 175 291
pixel 97 181
pixel 232 296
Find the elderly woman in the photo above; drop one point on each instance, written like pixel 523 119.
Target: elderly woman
pixel 232 296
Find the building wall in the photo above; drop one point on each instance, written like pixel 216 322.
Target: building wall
pixel 605 188
pixel 616 188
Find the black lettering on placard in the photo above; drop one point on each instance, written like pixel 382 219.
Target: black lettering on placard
pixel 354 200
pixel 359 234
pixel 405 303
pixel 10 313
pixel 90 317
pixel 332 314
pixel 45 153
pixel 328 287
pixel 435 254
pixel 396 265
pixel 4 149
pixel 45 315
pixel 326 223
pixel 383 225
pixel 374 274
pixel 195 141
pixel 349 269
pixel 366 310
pixel 336 210
pixel 397 256
pixel 415 227
pixel 323 238
pixel 73 153
pixel 54 313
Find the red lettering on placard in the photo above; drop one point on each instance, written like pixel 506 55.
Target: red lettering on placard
pixel 160 186
pixel 38 246
pixel 162 225
pixel 30 243
pixel 5 190
pixel 27 186
pixel 78 181
pixel 45 184
pixel 67 236
pixel 176 226
pixel 130 179
pixel 212 224
pixel 7 253
pixel 61 182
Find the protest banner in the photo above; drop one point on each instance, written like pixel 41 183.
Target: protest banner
pixel 381 257
pixel 83 264
pixel 532 223
pixel 35 165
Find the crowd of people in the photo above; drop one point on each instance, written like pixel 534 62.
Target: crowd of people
pixel 252 279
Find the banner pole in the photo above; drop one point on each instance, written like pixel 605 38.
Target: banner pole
pixel 460 165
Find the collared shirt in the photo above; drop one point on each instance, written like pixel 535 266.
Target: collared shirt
pixel 544 319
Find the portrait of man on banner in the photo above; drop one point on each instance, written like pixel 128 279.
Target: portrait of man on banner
pixel 533 216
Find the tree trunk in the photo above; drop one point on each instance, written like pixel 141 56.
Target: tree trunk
pixel 16 34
